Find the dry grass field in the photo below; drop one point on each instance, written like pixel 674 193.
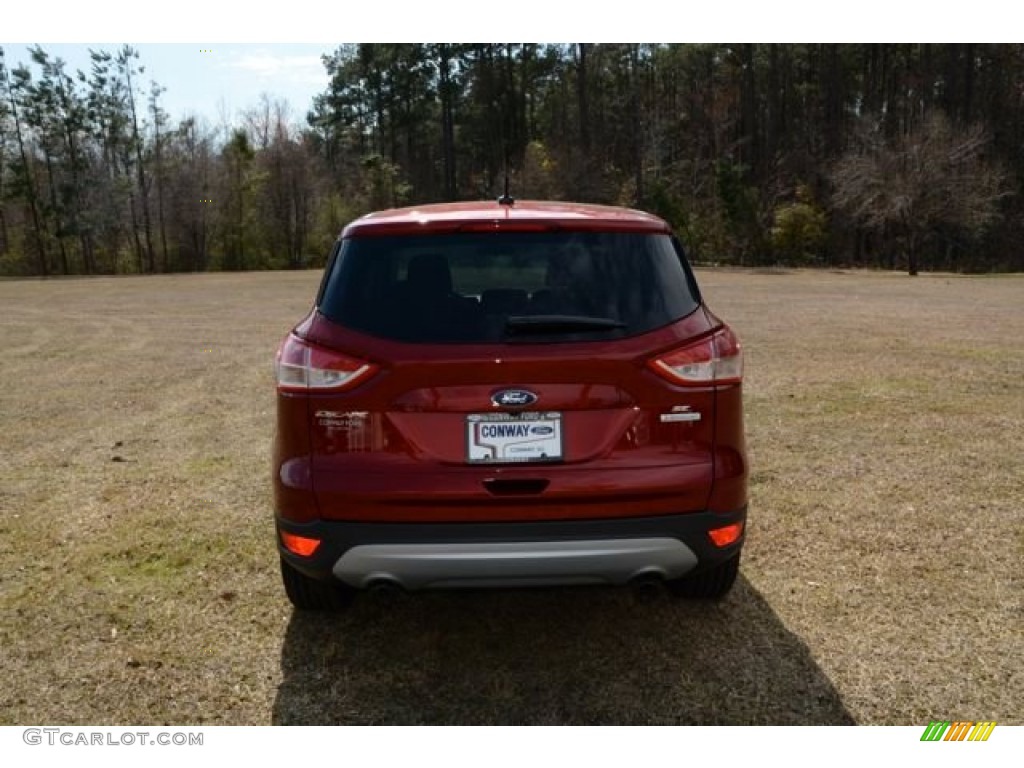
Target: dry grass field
pixel 882 580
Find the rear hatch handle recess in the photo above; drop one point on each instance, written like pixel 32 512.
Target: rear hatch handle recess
pixel 525 486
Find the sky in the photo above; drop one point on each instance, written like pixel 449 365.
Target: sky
pixel 231 77
pixel 217 81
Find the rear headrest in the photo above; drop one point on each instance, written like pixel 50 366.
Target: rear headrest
pixel 430 273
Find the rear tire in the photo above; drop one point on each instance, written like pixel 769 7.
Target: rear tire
pixel 712 584
pixel 309 594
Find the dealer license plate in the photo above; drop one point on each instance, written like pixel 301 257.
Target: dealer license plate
pixel 498 438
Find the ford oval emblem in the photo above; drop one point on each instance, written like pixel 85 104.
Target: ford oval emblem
pixel 513 398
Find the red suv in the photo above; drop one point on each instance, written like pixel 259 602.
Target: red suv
pixel 508 394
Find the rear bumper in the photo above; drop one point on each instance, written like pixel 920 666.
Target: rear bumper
pixel 444 555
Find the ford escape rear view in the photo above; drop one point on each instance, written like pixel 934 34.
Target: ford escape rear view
pixel 508 394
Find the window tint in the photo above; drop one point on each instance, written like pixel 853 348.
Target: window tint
pixel 466 287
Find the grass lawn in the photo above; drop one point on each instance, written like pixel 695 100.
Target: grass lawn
pixel 882 579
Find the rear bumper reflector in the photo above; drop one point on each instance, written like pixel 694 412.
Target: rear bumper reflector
pixel 304 546
pixel 726 535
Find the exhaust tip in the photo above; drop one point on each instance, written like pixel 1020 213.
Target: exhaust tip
pixel 648 585
pixel 386 587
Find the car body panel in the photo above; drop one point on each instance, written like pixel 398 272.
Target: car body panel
pixel 524 214
pixel 615 442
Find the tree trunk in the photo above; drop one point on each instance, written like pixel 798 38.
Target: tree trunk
pixel 137 242
pixel 139 256
pixel 636 122
pixel 771 129
pixel 56 212
pixel 237 261
pixel 30 192
pixel 65 89
pixel 582 97
pixel 160 190
pixel 141 171
pixel 832 87
pixel 445 87
pixel 749 154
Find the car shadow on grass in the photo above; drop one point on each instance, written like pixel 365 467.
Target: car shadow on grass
pixel 583 656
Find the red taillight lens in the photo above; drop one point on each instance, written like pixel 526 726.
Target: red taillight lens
pixel 302 366
pixel 726 535
pixel 299 545
pixel 718 359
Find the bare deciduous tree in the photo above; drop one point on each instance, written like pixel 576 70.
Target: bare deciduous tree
pixel 935 175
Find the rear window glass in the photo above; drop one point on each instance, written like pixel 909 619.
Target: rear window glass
pixel 508 286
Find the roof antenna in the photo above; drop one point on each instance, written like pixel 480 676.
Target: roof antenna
pixel 506 198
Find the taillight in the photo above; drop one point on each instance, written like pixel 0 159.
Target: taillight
pixel 718 359
pixel 302 367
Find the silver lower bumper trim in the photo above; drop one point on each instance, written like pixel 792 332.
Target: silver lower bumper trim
pixel 508 564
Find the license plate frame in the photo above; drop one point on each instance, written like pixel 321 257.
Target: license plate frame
pixel 513 440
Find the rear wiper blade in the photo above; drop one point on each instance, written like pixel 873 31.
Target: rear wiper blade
pixel 556 323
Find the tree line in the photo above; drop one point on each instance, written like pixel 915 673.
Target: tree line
pixel 95 178
pixel 901 156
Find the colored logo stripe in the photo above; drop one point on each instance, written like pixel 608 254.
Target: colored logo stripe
pixel 958 731
pixel 934 730
pixel 982 731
